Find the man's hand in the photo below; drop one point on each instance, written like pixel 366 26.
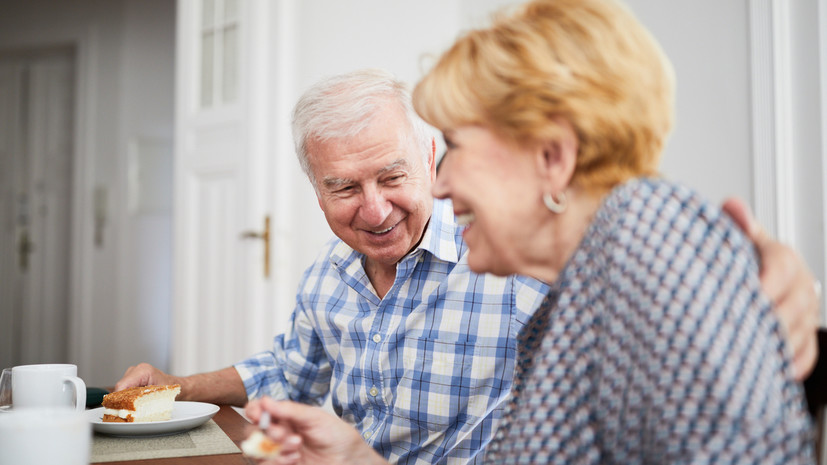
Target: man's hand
pixel 309 435
pixel 788 282
pixel 144 374
pixel 218 387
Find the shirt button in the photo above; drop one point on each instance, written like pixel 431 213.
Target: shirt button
pixel 373 391
pixel 377 338
pixel 366 435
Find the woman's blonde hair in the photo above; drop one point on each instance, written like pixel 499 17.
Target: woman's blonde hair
pixel 588 61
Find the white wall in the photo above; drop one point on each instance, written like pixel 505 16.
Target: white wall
pixel 809 134
pixel 707 42
pixel 145 168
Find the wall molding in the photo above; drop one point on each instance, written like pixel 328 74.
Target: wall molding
pixel 81 310
pixel 772 149
pixel 822 40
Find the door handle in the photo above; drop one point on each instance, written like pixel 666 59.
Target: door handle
pixel 265 236
pixel 25 247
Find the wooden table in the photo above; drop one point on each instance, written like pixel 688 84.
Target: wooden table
pixel 231 423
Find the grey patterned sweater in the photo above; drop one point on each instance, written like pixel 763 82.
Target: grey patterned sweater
pixel 655 345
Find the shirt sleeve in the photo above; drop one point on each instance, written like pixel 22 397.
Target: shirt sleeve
pixel 296 369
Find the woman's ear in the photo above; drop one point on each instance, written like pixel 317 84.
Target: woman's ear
pixel 558 156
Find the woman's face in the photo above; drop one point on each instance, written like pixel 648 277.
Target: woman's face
pixel 495 190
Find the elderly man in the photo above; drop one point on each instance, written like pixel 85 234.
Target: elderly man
pixel 416 351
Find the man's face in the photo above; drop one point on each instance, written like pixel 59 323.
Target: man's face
pixel 375 188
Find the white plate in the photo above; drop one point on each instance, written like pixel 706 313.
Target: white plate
pixel 185 416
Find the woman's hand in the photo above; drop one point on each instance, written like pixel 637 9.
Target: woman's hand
pixel 309 435
pixel 788 282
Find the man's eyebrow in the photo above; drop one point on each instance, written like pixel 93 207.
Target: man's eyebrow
pixel 398 164
pixel 336 183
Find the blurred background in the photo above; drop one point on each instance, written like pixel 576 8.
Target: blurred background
pixel 152 208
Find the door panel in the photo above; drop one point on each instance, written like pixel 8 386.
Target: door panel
pixel 223 188
pixel 36 103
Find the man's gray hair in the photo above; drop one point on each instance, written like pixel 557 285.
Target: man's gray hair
pixel 342 106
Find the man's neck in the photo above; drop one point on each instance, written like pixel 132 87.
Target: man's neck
pixel 382 276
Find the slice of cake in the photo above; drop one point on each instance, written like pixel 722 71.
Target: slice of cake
pixel 259 446
pixel 144 403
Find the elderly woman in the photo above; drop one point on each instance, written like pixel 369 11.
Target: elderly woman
pixel 655 343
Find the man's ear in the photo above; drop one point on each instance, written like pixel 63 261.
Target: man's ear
pixel 557 157
pixel 432 160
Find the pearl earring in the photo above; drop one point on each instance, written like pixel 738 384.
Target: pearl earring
pixel 556 206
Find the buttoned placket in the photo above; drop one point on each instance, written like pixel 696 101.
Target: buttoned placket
pixel 376 344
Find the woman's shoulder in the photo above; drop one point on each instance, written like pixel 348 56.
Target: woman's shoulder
pixel 655 213
pixel 647 199
pixel 663 239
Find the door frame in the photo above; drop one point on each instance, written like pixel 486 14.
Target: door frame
pixel 81 306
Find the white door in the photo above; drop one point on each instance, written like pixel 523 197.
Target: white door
pixel 224 185
pixel 36 108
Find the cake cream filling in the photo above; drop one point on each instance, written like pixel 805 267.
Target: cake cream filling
pixel 118 413
pixel 149 411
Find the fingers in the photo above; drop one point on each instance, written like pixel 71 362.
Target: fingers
pixel 797 311
pixel 784 276
pixel 134 376
pixel 788 283
pixel 143 374
pixel 741 214
pixel 290 412
pixel 805 359
pixel 280 429
pixel 783 262
pixel 253 410
pixel 285 459
pixel 290 443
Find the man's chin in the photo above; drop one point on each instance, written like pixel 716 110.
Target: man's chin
pixel 384 256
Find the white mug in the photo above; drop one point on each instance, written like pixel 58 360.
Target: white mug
pixel 47 385
pixel 36 436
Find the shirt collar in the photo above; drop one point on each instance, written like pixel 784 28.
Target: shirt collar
pixel 440 239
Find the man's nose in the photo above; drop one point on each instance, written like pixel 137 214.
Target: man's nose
pixel 375 207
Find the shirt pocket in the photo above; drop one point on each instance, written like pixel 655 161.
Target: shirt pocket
pixel 452 385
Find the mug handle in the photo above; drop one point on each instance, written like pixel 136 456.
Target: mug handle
pixel 80 391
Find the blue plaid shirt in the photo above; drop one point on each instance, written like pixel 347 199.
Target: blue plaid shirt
pixel 422 373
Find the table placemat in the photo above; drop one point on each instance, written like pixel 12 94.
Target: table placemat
pixel 207 439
